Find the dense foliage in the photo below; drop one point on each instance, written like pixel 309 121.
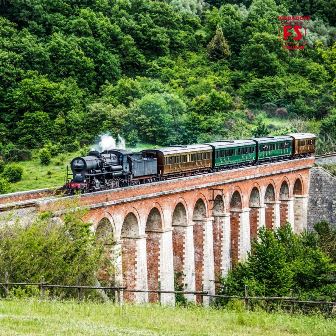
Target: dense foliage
pixel 158 71
pixel 59 253
pixel 281 263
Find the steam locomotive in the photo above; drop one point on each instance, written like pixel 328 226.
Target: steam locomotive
pixel 118 168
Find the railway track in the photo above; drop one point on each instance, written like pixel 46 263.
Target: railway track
pixel 322 156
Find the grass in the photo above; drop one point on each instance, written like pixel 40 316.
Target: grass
pixel 37 176
pixel 31 317
pixel 331 168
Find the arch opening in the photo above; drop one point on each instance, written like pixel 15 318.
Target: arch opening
pixel 199 210
pixel 130 227
pixel 270 194
pixel 179 215
pixel 284 191
pixel 298 189
pixel 219 206
pixel 236 201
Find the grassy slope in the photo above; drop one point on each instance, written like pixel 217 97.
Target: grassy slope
pixel 35 175
pixel 70 318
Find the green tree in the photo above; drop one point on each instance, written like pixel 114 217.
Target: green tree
pixel 218 47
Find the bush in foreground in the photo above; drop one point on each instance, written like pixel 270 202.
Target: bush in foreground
pixel 61 253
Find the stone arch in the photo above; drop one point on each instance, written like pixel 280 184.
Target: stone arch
pixel 200 210
pixel 270 193
pixel 130 226
pixel 219 205
pixel 179 225
pixel 254 204
pixel 179 217
pixel 105 231
pixel 199 215
pixel 236 202
pixel 236 205
pixel 129 253
pixel 284 190
pixel 254 200
pixel 298 187
pixel 154 236
pixel 154 220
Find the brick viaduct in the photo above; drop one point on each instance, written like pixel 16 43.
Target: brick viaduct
pixel 188 231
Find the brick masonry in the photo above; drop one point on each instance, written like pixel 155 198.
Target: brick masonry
pixel 269 215
pixel 153 263
pixel 129 266
pixel 283 213
pixel 254 221
pixel 235 227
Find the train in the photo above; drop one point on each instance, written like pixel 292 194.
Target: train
pixel 117 168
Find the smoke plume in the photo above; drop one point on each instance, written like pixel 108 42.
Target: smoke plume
pixel 107 142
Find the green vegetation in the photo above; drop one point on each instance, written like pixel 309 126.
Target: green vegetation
pixel 331 168
pixel 58 252
pixel 31 317
pixel 158 72
pixel 281 261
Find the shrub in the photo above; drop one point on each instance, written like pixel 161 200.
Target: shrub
pixel 45 156
pixel 59 253
pixel 18 154
pixel 71 147
pixel 13 173
pixel 4 186
pixel 52 148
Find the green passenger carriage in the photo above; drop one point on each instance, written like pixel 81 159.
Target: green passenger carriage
pixel 274 147
pixel 228 153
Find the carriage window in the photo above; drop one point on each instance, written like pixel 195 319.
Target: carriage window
pixel 199 156
pixel 302 142
pixel 177 159
pixel 193 157
pixel 184 158
pixel 205 156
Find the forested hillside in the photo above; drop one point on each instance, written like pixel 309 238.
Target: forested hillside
pixel 162 72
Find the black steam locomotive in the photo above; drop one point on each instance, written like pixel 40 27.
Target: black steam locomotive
pixel 110 169
pixel 118 168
